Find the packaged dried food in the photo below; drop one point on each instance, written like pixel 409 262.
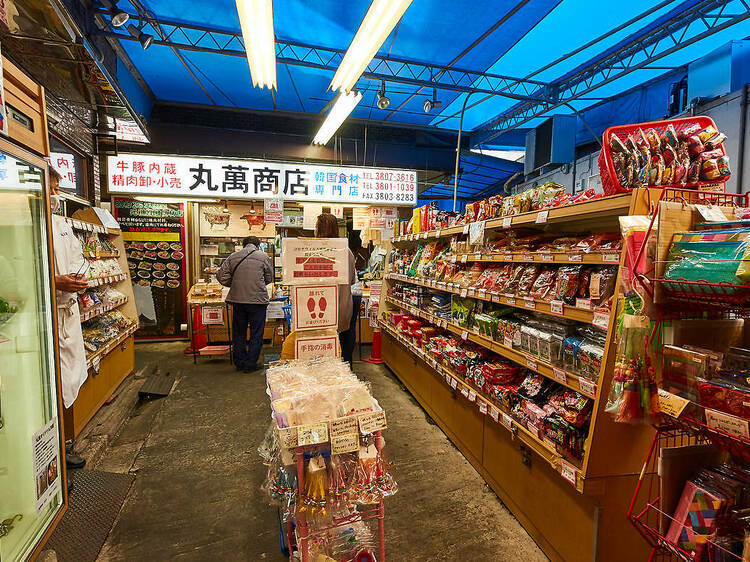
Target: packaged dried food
pixel 616 145
pixel 710 170
pixel 707 134
pixel 669 138
pixel 535 387
pixel 544 284
pixel 723 165
pixel 602 284
pixel 461 310
pixel 566 286
pixel 695 146
pixel 653 139
pixel 715 142
pixel 527 279
pixel 688 132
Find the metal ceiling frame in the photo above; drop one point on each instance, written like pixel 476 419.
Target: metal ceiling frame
pixel 190 37
pixel 635 52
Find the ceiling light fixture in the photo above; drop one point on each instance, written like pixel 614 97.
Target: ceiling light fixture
pixel 345 103
pixel 256 21
pixel 434 103
pixel 226 208
pixel 117 17
pixel 379 21
pixel 143 38
pixel 383 100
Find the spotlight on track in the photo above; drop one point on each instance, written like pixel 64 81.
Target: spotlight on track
pixel 430 104
pixel 116 15
pixel 383 101
pixel 143 38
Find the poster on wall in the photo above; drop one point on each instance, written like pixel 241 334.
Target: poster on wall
pixel 243 219
pixel 46 464
pixel 273 210
pixel 154 236
pixel 311 261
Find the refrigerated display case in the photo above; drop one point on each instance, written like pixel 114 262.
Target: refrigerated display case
pixel 32 462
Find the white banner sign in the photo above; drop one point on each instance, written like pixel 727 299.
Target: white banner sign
pixel 315 307
pixel 147 174
pixel 315 261
pixel 65 164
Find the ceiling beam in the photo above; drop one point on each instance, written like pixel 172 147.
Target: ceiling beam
pixel 635 52
pixel 205 39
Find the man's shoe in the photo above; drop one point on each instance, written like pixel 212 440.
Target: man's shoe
pixel 74 461
pixel 70 485
pixel 251 369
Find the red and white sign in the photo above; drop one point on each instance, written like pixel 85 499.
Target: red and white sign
pixel 323 346
pixel 212 315
pixel 65 164
pixel 382 217
pixel 315 261
pixel 315 307
pixel 273 210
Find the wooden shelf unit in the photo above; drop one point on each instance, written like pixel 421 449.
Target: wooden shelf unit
pixel 113 362
pixel 592 501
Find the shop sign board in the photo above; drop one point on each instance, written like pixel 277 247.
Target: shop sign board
pixel 46 464
pixel 314 261
pixel 319 346
pixel 218 178
pixel 243 219
pixel 65 164
pixel 315 307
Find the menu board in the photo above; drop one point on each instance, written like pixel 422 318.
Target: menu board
pixel 154 236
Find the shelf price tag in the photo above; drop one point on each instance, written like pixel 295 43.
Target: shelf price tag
pixel 464 292
pixel 507 257
pixel 437 234
pixel 453 258
pixel 568 472
pixel 531 363
pixel 471 292
pixel 483 408
pixel 424 235
pixel 510 300
pixel 547 257
pixel 601 320
pixel 560 375
pixel 528 256
pixel 725 422
pixel 494 413
pixel 556 307
pixel 611 258
pixel 464 335
pixel 472 396
pixel 508 341
pixel 482 293
pixel 343 426
pixel 507 421
pixel 507 222
pixel 583 303
pixel 529 303
pixel 288 437
pixel 587 387
pixel 454 383
pixel 671 404
pixel 464 392
pixel 345 443
pixel 575 257
pixel 312 434
pixel 477 256
pixel 464 258
pixel 496 298
pixel 541 217
pixel 466 229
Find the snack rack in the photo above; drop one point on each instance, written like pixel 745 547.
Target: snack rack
pixel 531 474
pixel 683 422
pixel 115 360
pixel 298 531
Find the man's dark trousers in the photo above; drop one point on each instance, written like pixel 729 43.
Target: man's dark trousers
pixel 246 351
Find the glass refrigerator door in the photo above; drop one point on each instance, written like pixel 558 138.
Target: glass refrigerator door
pixel 31 495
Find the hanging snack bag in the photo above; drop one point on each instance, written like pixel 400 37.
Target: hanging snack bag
pixel 715 142
pixel 566 286
pixel 616 145
pixel 695 146
pixel 669 138
pixel 653 139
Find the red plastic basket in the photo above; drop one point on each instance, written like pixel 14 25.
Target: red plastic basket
pixel 606 165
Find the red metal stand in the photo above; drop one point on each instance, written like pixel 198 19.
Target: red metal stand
pixel 375 357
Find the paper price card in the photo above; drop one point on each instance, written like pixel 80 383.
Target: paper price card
pixel 453 258
pixel 464 258
pixel 472 396
pixel 464 335
pixel 482 293
pixel 547 257
pixel 587 387
pixel 483 408
pixel 454 383
pixel 343 426
pixel 494 413
pixel 508 341
pixel 541 217
pixel 507 421
pixel 601 320
pixel 529 303
pixel 464 292
pixel 560 375
pixel 575 257
pixel 375 421
pixel 671 404
pixel 477 256
pixel 466 228
pixel 556 307
pixel 611 258
pixel 496 298
pixel 464 392
pixel 508 257
pixel 568 472
pixel 725 422
pixel 312 434
pixel 471 292
pixel 437 234
pixel 507 222
pixel 528 257
pixel 345 443
pixel 510 300
pixel 583 303
pixel 531 363
pixel 288 437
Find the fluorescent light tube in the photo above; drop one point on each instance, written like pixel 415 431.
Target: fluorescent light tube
pixel 256 21
pixel 341 109
pixel 377 24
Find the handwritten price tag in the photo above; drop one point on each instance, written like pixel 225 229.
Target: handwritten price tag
pixel 345 443
pixel 464 335
pixel 541 217
pixel 671 404
pixel 601 320
pixel 375 421
pixel 343 426
pixel 587 387
pixel 312 434
pixel 507 222
pixel 568 472
pixel 559 375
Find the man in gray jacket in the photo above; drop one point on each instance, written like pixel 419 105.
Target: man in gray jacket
pixel 246 273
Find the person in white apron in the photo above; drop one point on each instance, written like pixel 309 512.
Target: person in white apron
pixel 69 263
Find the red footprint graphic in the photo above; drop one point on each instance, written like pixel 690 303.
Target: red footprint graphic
pixel 322 303
pixel 311 307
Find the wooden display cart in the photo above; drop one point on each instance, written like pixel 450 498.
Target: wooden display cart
pixel 574 510
pixel 109 365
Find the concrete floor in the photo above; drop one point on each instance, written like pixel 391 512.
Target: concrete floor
pixel 197 492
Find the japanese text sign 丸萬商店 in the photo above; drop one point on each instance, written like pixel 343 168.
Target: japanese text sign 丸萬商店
pixel 146 174
pixel 315 307
pixel 315 261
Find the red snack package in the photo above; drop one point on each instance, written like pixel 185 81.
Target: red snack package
pixel 695 146
pixel 688 132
